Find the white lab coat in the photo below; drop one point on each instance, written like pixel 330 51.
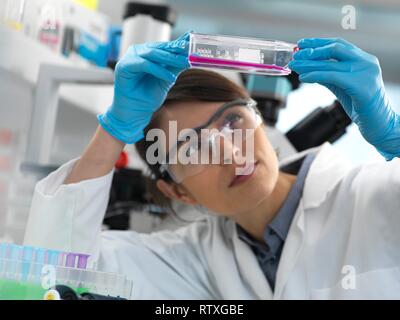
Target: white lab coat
pixel 347 221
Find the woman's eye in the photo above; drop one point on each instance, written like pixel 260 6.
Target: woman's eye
pixel 232 120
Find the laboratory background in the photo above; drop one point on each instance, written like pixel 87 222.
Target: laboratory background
pixel 56 74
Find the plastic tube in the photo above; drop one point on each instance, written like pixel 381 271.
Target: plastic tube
pixel 71 260
pixel 52 257
pixel 82 261
pixel 27 257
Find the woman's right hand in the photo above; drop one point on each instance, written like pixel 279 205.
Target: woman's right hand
pixel 143 78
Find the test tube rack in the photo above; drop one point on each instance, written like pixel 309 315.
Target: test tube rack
pixel 26 273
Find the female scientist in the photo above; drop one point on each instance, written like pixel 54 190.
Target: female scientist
pixel 314 229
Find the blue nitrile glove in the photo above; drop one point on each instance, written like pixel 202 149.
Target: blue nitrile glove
pixel 143 78
pixel 354 76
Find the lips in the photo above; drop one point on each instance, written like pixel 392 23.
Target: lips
pixel 243 174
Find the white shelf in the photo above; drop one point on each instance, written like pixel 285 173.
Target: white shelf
pixel 23 56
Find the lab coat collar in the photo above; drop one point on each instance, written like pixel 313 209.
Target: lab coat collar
pixel 291 251
pixel 248 265
pixel 326 171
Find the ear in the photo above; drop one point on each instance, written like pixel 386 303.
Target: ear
pixel 175 192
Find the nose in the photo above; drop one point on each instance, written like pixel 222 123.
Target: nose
pixel 231 149
pixel 232 152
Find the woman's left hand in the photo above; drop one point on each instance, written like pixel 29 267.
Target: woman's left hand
pixel 355 77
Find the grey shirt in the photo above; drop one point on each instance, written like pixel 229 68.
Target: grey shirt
pixel 269 253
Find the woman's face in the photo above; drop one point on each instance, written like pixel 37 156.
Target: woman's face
pixel 218 187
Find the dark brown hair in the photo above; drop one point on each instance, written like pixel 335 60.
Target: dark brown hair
pixel 191 85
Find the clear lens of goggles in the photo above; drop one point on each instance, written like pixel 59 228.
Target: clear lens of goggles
pixel 228 138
